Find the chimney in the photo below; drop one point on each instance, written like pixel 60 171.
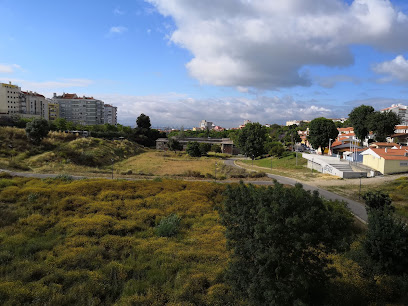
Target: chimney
pixel 386 150
pixel 55 95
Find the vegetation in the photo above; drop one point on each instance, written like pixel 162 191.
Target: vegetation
pixel 193 149
pixel 37 129
pixel 65 242
pixel 280 239
pixel 174 145
pixel 364 119
pixel 359 119
pixel 386 242
pixel 321 131
pixel 251 140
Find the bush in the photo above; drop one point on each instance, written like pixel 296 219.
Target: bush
pixel 168 226
pixel 193 149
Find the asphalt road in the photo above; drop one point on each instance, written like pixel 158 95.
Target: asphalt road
pixel 356 208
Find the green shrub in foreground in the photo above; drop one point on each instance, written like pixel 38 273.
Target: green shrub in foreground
pixel 168 226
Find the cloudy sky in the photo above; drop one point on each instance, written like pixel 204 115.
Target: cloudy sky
pixel 181 61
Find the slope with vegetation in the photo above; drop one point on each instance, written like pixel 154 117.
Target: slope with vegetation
pixel 65 242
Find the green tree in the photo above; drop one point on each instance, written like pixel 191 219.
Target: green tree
pixel 37 129
pixel 251 140
pixel 205 148
pixel 143 122
pixel 60 124
pixel 359 119
pixel 386 241
pixel 174 145
pixel 383 124
pixel 280 238
pixel 276 148
pixel 193 149
pixel 321 130
pixel 216 148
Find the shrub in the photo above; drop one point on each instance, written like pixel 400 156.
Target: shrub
pixel 193 149
pixel 168 226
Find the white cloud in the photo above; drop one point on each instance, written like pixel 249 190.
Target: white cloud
pixel 180 110
pixel 117 30
pixel 264 43
pixel 5 68
pixel 394 69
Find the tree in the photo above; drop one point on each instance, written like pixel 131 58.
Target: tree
pixel 251 140
pixel 386 241
pixel 37 129
pixel 359 119
pixel 321 130
pixel 205 148
pixel 383 124
pixel 216 148
pixel 193 149
pixel 280 238
pixel 276 148
pixel 174 145
pixel 60 124
pixel 143 122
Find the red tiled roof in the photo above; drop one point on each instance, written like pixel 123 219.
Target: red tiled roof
pixel 391 154
pixel 345 129
pixel 384 144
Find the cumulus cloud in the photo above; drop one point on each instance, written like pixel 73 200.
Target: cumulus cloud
pixel 177 110
pixel 118 12
pixel 264 44
pixel 117 30
pixel 394 69
pixel 4 68
pixel 378 102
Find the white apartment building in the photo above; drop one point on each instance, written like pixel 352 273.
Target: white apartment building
pixel 204 125
pixel 400 110
pixel 110 114
pixel 80 110
pixel 32 103
pixel 9 99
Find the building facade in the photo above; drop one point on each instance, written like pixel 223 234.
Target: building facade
pixel 9 99
pixel 400 110
pixel 110 114
pixel 80 110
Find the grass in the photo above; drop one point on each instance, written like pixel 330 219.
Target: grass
pixel 285 166
pixel 397 189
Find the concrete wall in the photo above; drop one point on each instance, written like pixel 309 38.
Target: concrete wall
pixel 396 166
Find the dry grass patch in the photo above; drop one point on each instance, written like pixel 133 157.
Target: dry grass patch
pixel 165 163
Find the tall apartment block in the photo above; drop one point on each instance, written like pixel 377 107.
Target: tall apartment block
pixel 110 115
pixel 9 99
pixel 400 110
pixel 80 110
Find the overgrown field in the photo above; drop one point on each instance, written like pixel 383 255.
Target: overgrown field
pixel 97 241
pixel 102 242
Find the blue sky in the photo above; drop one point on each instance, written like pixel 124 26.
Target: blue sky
pixel 181 61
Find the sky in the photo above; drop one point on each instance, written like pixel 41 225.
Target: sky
pixel 225 61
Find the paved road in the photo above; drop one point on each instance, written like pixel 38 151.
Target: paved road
pixel 356 208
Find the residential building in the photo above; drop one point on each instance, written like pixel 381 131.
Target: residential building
pixel 386 160
pixel 9 99
pixel 110 114
pixel 50 110
pixel 206 125
pixel 80 110
pixel 297 122
pixel 400 110
pixel 31 104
